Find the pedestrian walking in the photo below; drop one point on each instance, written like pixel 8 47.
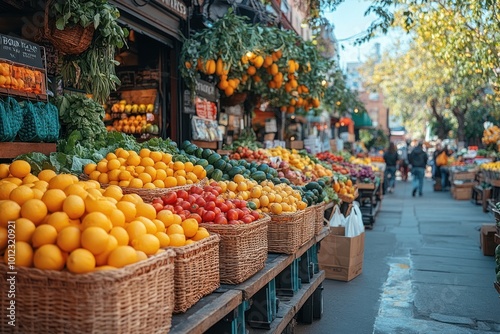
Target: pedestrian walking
pixel 403 162
pixel 418 160
pixel 391 158
pixel 442 164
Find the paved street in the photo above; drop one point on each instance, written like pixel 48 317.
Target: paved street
pixel 423 272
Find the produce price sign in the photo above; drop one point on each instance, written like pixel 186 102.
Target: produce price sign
pixel 20 51
pixel 205 109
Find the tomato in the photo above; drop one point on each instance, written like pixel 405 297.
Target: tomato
pixel 182 194
pixel 213 184
pixel 247 219
pixel 196 190
pixel 169 198
pixel 241 214
pixel 186 205
pixel 220 220
pixel 182 215
pixel 230 204
pixel 219 200
pixel 233 222
pixel 218 189
pixel 255 214
pixel 209 206
pixel 201 202
pixel 169 207
pixel 241 204
pixel 157 200
pixel 209 216
pixel 158 206
pixel 201 211
pixel 178 209
pixel 223 207
pixel 207 189
pixel 209 197
pixel 191 199
pixel 196 216
pixel 193 207
pixel 232 214
pixel 215 192
pixel 246 210
pixel 217 210
pixel 186 213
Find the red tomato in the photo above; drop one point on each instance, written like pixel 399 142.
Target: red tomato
pixel 182 194
pixel 196 190
pixel 215 192
pixel 241 204
pixel 200 211
pixel 233 222
pixel 217 210
pixel 157 200
pixel 201 202
pixel 196 216
pixel 194 207
pixel 169 207
pixel 232 214
pixel 220 220
pixel 223 207
pixel 209 206
pixel 209 197
pixel 186 205
pixel 246 210
pixel 241 214
pixel 182 215
pixel 169 198
pixel 178 209
pixel 247 219
pixel 255 214
pixel 158 206
pixel 230 204
pixel 218 189
pixel 191 199
pixel 219 200
pixel 186 213
pixel 207 189
pixel 209 216
pixel 213 184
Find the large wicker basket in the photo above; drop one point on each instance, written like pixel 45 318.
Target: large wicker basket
pixel 284 232
pixel 196 272
pixel 138 298
pixel 71 40
pixel 308 224
pixel 320 218
pixel 242 251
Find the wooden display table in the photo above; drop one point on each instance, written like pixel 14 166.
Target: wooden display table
pixel 227 305
pixel 10 150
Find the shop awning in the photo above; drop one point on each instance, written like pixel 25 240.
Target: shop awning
pixel 361 120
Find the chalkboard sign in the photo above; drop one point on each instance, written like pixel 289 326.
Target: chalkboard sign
pixel 20 51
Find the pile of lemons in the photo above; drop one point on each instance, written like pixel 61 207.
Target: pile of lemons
pixel 61 222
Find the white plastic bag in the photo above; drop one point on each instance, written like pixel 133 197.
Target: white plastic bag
pixel 337 218
pixel 354 222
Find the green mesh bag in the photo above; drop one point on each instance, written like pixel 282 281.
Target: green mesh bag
pixel 11 119
pixel 51 116
pixel 34 127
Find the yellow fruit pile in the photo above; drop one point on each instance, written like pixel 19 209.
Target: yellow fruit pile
pixel 302 163
pixel 491 166
pixel 266 196
pixel 146 169
pixel 60 222
pixel 491 135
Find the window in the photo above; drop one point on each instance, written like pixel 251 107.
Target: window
pixel 284 6
pixel 373 96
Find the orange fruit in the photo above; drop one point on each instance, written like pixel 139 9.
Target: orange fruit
pixel 61 181
pixel 81 261
pixel 21 194
pixel 190 227
pixel 276 208
pixel 98 219
pixel 19 168
pixel 163 238
pixel 24 230
pixel 166 216
pixel 141 256
pixel 202 233
pixel 34 210
pixel 117 218
pixel 44 235
pixel 4 236
pixel 69 238
pixel 148 223
pixel 120 235
pixel 23 255
pixel 89 168
pixel 147 243
pixel 147 161
pixel 102 258
pixel 175 229
pixel 59 220
pixel 136 183
pixel 181 180
pixel 4 171
pixel 160 226
pixel 74 206
pixel 49 257
pixel 10 211
pixel 94 239
pixel 128 209
pixel 170 181
pixel 122 256
pixel 177 240
pixel 135 229
pixel 30 179
pixel 5 190
pixel 156 156
pixel 46 175
pixel 145 210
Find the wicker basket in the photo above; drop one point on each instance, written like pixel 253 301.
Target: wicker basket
pixel 308 224
pixel 320 218
pixel 71 40
pixel 138 298
pixel 284 232
pixel 196 272
pixel 242 251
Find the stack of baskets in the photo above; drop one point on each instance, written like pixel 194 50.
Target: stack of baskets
pixel 309 223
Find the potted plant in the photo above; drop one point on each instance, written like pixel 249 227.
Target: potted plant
pixel 91 70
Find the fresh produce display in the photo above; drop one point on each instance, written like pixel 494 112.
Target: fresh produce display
pixel 204 205
pixel 131 118
pixel 133 124
pixel 21 79
pixel 265 196
pixel 363 173
pixel 63 223
pixel 146 169
pixel 249 154
pixel 329 157
pixel 312 193
pixel 222 168
pixel 491 137
pixel 491 166
pixel 344 188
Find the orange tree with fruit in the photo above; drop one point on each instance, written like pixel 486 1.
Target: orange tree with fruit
pixel 264 62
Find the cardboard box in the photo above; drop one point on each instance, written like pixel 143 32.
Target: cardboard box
pixel 341 257
pixel 487 238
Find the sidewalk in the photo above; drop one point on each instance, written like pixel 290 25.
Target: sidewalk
pixel 423 272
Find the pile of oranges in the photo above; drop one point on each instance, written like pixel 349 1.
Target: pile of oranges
pixel 146 169
pixel 61 222
pixel 266 196
pixel 346 189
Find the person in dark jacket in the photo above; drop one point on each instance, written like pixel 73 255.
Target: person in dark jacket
pixel 391 158
pixel 418 160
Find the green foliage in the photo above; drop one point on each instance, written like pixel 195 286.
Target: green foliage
pixel 374 138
